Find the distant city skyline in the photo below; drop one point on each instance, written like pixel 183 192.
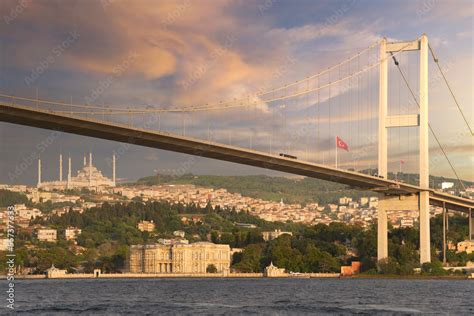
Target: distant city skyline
pixel 173 59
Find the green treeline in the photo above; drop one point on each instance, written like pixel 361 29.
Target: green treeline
pixel 301 190
pixel 9 198
pixel 107 232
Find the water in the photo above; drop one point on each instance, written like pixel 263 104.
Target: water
pixel 244 296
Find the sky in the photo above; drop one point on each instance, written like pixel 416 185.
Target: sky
pixel 174 54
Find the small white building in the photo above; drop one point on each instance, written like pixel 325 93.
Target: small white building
pixel 274 234
pixel 373 203
pixel 363 201
pixel 146 226
pixel 71 233
pixel 406 222
pixel 175 241
pixel 179 233
pixel 446 185
pixel 274 272
pixel 466 245
pixel 26 213
pixel 47 234
pixel 4 242
pixel 344 200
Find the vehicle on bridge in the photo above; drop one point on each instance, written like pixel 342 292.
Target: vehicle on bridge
pixel 288 156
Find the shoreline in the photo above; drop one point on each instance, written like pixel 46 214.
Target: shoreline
pixel 251 276
pixel 412 277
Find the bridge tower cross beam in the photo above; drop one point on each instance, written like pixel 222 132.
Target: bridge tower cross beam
pixel 398 121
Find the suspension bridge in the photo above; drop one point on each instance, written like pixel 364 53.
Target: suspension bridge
pixel 288 128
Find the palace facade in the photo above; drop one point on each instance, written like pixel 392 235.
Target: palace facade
pixel 179 258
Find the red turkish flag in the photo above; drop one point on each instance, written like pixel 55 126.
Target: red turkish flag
pixel 341 144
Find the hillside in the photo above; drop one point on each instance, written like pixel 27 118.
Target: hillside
pixel 302 190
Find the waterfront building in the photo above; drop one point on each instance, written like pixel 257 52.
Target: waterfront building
pixel 274 234
pixel 54 272
pixel 146 226
pixel 47 234
pixel 179 258
pixel 274 272
pixel 354 268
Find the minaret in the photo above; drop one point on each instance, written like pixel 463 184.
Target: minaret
pixel 39 172
pixel 60 167
pixel 90 169
pixel 69 173
pixel 113 168
pixel 85 160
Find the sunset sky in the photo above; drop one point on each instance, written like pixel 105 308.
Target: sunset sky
pixel 169 54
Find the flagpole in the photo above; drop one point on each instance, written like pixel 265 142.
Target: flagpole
pixel 336 150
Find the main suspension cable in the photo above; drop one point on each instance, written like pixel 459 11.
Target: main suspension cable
pixel 429 125
pixel 436 60
pixel 217 105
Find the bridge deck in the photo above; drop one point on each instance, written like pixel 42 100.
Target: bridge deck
pixel 188 145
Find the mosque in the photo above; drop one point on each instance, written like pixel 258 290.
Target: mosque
pixel 88 177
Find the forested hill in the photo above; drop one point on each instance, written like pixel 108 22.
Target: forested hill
pixel 299 190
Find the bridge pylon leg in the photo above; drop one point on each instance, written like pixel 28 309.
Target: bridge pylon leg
pixel 424 196
pixel 382 230
pixel 425 246
pixel 470 223
pixel 401 203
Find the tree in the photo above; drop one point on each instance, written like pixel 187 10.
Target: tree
pixel 251 259
pixel 388 266
pixel 9 198
pixel 283 255
pixel 211 268
pixel 433 268
pixel 407 258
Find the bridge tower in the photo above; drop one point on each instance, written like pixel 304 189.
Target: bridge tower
pixel 419 202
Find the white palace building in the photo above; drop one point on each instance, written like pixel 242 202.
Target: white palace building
pixel 88 177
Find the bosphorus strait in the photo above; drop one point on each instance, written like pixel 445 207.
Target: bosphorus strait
pixel 247 296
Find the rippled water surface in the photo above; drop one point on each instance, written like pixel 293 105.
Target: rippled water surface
pixel 245 296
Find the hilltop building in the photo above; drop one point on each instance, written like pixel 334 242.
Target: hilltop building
pixel 71 233
pixel 467 246
pixel 146 226
pixel 47 234
pixel 267 236
pixel 88 177
pixel 447 185
pixel 179 258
